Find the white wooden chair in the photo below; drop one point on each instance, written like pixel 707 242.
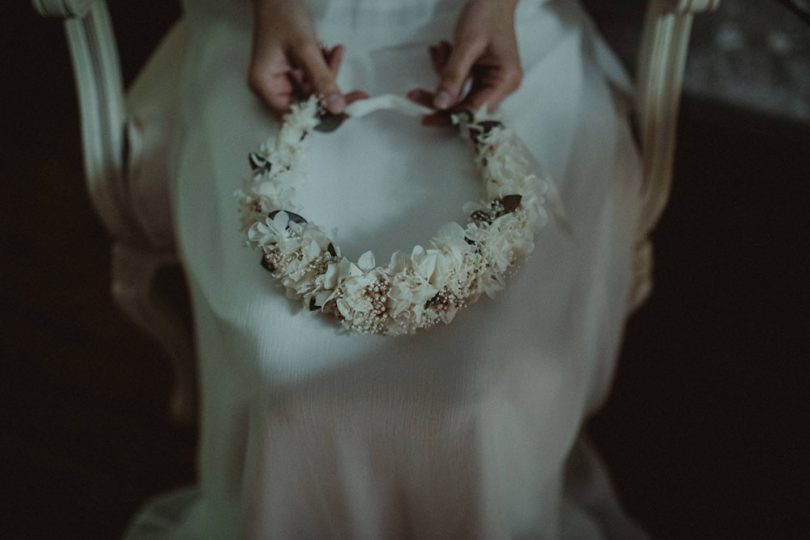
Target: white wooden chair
pixel 125 134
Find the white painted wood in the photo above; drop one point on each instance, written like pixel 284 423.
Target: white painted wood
pixel 63 8
pixel 695 6
pixel 127 175
pixel 102 115
pixel 661 63
pixel 130 188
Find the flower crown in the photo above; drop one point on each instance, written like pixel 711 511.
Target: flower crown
pixel 416 290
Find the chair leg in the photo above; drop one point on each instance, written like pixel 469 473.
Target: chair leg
pixel 134 274
pixel 642 275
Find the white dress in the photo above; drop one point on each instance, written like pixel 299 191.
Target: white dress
pixel 471 430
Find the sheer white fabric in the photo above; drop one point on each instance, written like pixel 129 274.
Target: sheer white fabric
pixel 472 430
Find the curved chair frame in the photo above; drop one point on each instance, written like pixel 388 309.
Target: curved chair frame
pixel 127 173
pixel 661 64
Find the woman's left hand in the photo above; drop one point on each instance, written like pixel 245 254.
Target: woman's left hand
pixel 484 49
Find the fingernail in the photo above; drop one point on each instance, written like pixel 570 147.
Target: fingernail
pixel 335 103
pixel 442 100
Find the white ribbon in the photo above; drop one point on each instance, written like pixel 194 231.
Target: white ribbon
pixel 393 102
pixel 390 102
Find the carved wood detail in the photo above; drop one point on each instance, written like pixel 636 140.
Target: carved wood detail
pixel 127 179
pixel 63 8
pixel 661 63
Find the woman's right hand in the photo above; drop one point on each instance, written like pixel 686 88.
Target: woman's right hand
pixel 288 63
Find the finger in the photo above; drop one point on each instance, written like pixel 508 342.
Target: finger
pixel 299 81
pixel 421 96
pixel 268 79
pixel 443 53
pixel 321 77
pixel 478 97
pixel 493 90
pixel 425 98
pixel 355 95
pixel 280 104
pixel 334 58
pixel 437 119
pixel 432 52
pixel 455 72
pixel 302 84
pixel 483 82
pixel 439 54
pixel 280 96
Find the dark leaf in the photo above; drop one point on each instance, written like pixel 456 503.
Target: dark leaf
pixel 295 218
pixel 488 125
pixel 330 122
pixel 259 162
pixel 269 266
pixel 481 216
pixel 511 202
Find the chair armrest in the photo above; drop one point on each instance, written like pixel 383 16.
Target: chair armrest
pixel 63 8
pixel 111 162
pixel 102 109
pixel 661 63
pixel 695 6
pixel 662 59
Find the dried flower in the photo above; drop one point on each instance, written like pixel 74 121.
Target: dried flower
pixel 416 290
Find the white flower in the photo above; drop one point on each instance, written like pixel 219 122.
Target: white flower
pixel 411 287
pixel 284 155
pixel 424 263
pixel 357 300
pixel 275 193
pixel 366 261
pixel 279 221
pixel 259 233
pixel 399 261
pixel 288 139
pixel 450 240
pixel 491 284
pixel 329 279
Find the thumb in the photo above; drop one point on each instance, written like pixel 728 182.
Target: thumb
pixel 455 72
pixel 322 77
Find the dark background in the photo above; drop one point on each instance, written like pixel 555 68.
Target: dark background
pixel 706 429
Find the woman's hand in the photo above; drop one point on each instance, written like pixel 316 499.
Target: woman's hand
pixel 288 63
pixel 484 50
